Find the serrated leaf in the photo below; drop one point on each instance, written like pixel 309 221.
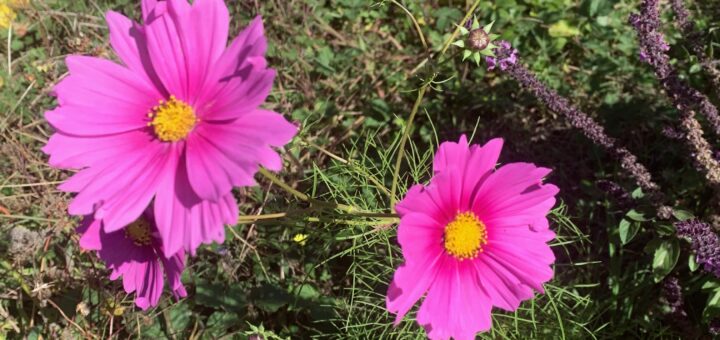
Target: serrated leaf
pixel 627 230
pixel 665 258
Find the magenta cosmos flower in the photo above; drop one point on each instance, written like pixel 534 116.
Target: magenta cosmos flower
pixel 135 253
pixel 178 122
pixel 475 237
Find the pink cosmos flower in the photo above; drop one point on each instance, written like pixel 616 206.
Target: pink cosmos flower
pixel 178 122
pixel 474 238
pixel 135 253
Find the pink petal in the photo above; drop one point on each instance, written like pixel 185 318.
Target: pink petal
pixel 531 268
pixel 128 40
pixel 174 267
pixel 239 92
pixel 184 220
pixel 89 230
pixel 507 182
pixel 472 165
pixel 267 126
pixel 226 154
pixel 410 283
pixel 151 9
pixel 182 52
pixel 149 285
pixel 75 152
pixel 420 237
pixel 504 289
pixel 239 80
pixel 124 187
pixel 99 98
pixel 417 200
pixel 455 305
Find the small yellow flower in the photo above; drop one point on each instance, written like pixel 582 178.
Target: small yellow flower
pixel 7 15
pixel 300 238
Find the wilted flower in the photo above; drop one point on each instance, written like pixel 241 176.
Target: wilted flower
pixel 474 238
pixel 178 123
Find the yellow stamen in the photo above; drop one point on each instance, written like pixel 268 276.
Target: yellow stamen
pixel 465 236
pixel 173 120
pixel 139 232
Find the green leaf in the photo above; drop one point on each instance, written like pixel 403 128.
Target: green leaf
pixel 307 291
pixel 466 54
pixel 475 24
pixel 636 216
pixel 216 295
pixel 179 317
pixel 476 58
pixel 712 307
pixel 637 194
pixel 269 297
pixel 665 258
pixel 488 27
pixel 682 215
pixel 459 43
pixel 463 30
pixel 628 230
pixel 692 263
pixel 562 29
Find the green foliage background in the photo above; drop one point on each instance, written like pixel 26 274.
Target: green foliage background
pixel 348 71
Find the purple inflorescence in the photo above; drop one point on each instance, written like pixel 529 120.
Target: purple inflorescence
pixel 507 58
pixel 705 243
pixel 686 99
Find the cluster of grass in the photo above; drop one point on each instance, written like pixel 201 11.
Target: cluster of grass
pixel 348 72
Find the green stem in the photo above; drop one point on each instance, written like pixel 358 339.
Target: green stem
pixel 403 140
pixel 303 197
pixel 416 106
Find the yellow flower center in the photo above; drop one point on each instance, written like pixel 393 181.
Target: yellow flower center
pixel 173 119
pixel 465 236
pixel 139 232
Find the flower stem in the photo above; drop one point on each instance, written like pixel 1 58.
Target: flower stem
pixel 416 106
pixel 403 140
pixel 354 211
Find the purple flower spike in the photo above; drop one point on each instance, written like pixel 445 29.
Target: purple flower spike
pixel 705 243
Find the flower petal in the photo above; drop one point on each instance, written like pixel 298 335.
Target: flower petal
pixel 183 52
pixel 124 187
pixel 419 237
pixel 409 284
pixel 239 80
pixel 75 152
pixel 99 98
pixel 455 305
pixel 184 220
